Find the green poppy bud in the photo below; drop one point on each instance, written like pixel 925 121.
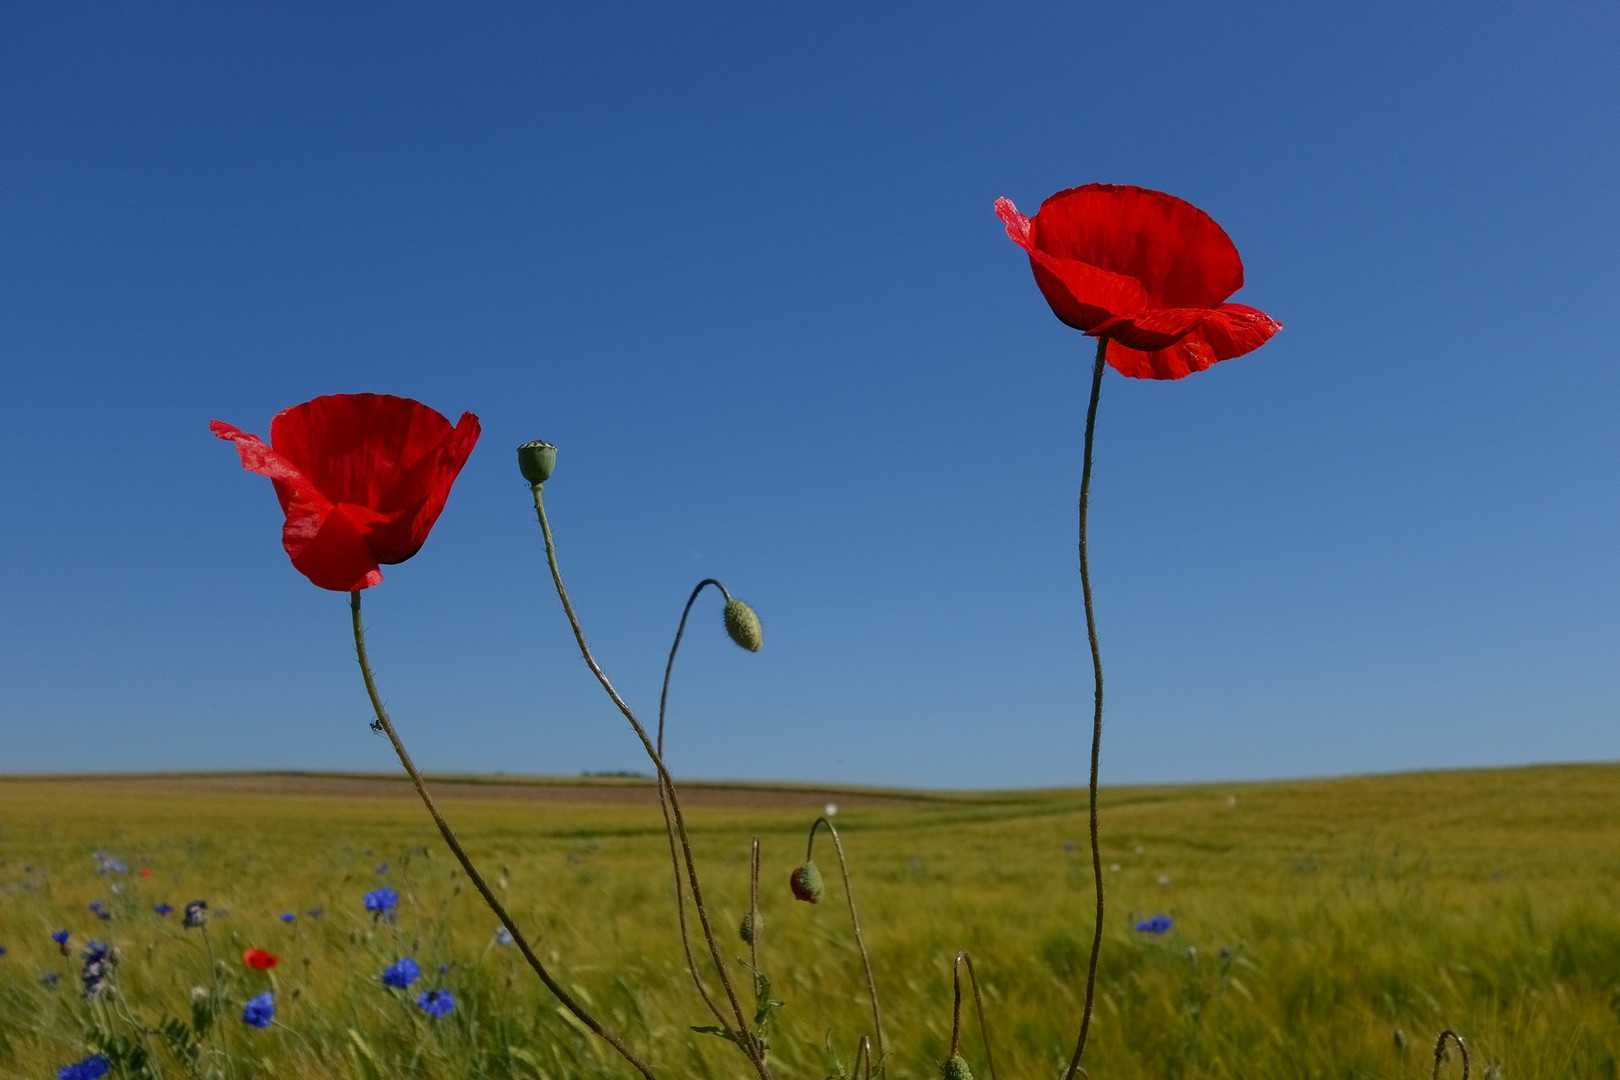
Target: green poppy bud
pixel 537 459
pixel 807 884
pixel 742 625
pixel 745 929
pixel 956 1069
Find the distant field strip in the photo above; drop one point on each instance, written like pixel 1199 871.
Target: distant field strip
pixel 1326 928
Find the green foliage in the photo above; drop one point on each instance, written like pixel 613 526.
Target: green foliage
pixel 1321 930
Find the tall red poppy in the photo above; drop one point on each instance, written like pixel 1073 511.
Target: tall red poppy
pixel 1146 270
pixel 259 960
pixel 361 478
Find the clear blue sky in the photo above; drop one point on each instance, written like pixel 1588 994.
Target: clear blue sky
pixel 739 261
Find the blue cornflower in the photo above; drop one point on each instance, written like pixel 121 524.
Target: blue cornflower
pixel 287 916
pixel 60 937
pixel 196 914
pixel 436 1002
pixel 91 1068
pixel 503 936
pixel 163 909
pixel 260 1010
pixel 401 973
pixel 381 901
pixel 98 961
pixel 2 950
pixel 106 864
pixel 100 908
pixel 1156 925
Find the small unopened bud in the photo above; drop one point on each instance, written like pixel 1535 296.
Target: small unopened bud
pixel 956 1069
pixel 745 929
pixel 742 625
pixel 537 459
pixel 807 884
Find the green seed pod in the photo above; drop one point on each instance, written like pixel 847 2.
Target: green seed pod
pixel 742 625
pixel 956 1069
pixel 807 884
pixel 745 929
pixel 537 459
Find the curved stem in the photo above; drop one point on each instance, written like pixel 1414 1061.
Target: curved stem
pixel 1097 712
pixel 855 923
pixel 669 824
pixel 663 695
pixel 744 1037
pixel 387 726
pixel 1440 1049
pixel 978 1006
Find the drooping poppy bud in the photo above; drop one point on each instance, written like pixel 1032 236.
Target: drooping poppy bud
pixel 807 884
pixel 537 459
pixel 745 929
pixel 956 1069
pixel 742 625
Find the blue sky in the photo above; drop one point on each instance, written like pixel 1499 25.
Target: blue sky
pixel 739 261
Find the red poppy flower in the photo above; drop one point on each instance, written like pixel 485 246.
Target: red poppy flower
pixel 259 960
pixel 361 478
pixel 1143 269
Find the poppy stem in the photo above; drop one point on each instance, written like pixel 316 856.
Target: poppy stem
pixel 962 958
pixel 663 805
pixel 1440 1052
pixel 744 1038
pixel 1097 711
pixel 387 726
pixel 855 924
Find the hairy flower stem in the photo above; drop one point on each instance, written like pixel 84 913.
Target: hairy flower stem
pixel 387 726
pixel 663 806
pixel 863 1056
pixel 1097 712
pixel 855 924
pixel 1440 1052
pixel 978 1007
pixel 744 1037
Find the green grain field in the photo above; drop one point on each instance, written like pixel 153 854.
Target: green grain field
pixel 1325 928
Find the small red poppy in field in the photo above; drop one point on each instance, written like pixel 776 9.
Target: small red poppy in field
pixel 259 960
pixel 361 478
pixel 1148 271
pixel 145 872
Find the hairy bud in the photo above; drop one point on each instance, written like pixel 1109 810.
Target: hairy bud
pixel 807 884
pixel 742 625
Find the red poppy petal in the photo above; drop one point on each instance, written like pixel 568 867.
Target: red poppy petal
pixel 1178 252
pixel 327 546
pixel 420 493
pixel 259 458
pixel 354 447
pixel 1082 295
pixel 1158 328
pixel 1192 353
pixel 1234 329
pixel 1230 330
pixel 1017 224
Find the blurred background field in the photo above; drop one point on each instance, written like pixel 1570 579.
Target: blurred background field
pixel 1325 928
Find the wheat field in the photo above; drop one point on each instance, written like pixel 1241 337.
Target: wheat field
pixel 1324 928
